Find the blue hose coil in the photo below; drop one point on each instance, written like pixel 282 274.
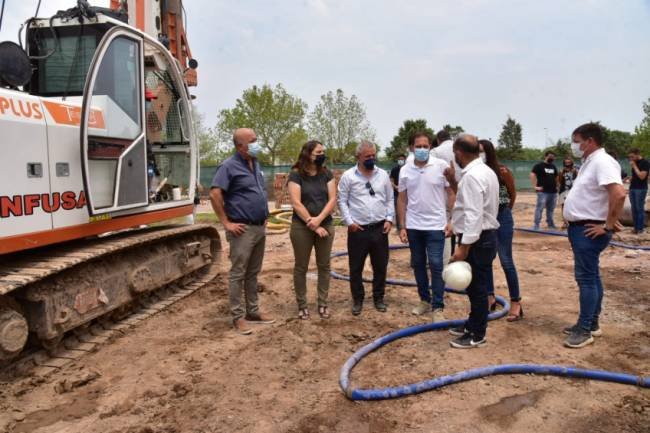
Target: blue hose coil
pixel 463 376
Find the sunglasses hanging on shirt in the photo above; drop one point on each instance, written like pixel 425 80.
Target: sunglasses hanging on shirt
pixel 369 188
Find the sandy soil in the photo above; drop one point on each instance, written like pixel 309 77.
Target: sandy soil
pixel 185 370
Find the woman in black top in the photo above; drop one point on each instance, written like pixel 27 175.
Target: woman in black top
pixel 566 176
pixel 312 191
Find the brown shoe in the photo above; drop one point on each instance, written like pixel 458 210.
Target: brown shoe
pixel 260 318
pixel 241 326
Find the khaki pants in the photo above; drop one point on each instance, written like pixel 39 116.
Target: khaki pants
pixel 303 240
pixel 246 256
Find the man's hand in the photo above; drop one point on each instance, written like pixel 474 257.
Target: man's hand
pixel 354 227
pixel 403 236
pixel 460 253
pixel 448 230
pixel 313 223
pixel 236 229
pixel 387 226
pixel 320 231
pixel 617 227
pixel 592 231
pixel 450 173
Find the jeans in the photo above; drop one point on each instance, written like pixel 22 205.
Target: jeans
pixel 246 257
pixel 546 200
pixel 504 249
pixel 637 200
pixel 480 258
pixel 303 240
pixel 586 255
pixel 428 245
pixel 374 242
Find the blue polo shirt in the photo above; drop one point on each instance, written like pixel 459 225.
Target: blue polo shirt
pixel 244 193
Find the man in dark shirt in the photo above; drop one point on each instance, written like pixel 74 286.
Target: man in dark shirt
pixel 394 181
pixel 544 179
pixel 638 188
pixel 239 199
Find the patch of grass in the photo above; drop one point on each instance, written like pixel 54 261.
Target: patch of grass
pixel 207 217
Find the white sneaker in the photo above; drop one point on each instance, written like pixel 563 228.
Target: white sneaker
pixel 421 308
pixel 439 315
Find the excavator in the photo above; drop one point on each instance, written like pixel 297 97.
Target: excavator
pixel 98 168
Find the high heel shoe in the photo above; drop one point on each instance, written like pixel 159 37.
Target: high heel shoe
pixel 516 317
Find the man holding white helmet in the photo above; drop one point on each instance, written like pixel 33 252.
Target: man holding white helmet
pixel 474 220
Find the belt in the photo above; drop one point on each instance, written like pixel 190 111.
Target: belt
pixel 247 222
pixel 372 225
pixel 585 222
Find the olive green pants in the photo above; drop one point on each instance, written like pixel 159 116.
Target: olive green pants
pixel 246 257
pixel 303 240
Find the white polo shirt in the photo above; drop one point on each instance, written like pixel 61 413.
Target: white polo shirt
pixel 427 198
pixel 588 198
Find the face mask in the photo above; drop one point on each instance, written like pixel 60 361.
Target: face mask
pixel 320 160
pixel 483 157
pixel 254 149
pixel 550 159
pixel 421 154
pixel 369 164
pixel 400 162
pixel 575 148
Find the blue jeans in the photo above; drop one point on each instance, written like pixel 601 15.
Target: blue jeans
pixel 637 200
pixel 480 258
pixel 586 256
pixel 546 200
pixel 504 249
pixel 428 245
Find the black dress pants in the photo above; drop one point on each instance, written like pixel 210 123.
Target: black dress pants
pixel 373 242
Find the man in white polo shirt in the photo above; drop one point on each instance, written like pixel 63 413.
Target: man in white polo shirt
pixel 422 203
pixel 592 209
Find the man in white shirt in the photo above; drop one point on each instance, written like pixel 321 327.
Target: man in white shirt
pixel 424 195
pixel 365 198
pixel 592 208
pixel 474 220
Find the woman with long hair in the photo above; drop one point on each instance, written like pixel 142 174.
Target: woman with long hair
pixel 312 191
pixel 507 196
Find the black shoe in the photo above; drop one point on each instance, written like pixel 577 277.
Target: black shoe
pixel 467 341
pixel 458 331
pixel 595 329
pixel 579 338
pixel 356 308
pixel 381 306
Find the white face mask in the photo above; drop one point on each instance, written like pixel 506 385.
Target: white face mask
pixel 575 148
pixel 254 149
pixel 483 158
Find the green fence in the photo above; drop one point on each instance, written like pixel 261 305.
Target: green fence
pixel 520 169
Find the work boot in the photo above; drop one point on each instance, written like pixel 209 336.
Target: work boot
pixel 422 308
pixel 438 315
pixel 579 338
pixel 260 318
pixel 241 326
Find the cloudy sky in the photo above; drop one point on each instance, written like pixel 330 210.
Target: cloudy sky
pixel 551 65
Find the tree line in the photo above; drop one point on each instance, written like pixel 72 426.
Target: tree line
pixel 283 123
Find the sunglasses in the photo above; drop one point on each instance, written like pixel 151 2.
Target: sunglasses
pixel 369 188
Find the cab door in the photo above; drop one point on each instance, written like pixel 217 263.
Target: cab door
pixel 113 142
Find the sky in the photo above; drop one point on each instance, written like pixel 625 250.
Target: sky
pixel 551 65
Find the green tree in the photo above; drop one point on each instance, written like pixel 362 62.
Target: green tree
pixel 454 131
pixel 510 140
pixel 561 148
pixel 272 112
pixel 399 143
pixel 617 141
pixel 641 138
pixel 290 148
pixel 337 121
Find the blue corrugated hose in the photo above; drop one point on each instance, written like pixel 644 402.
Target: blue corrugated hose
pixel 475 373
pixel 558 233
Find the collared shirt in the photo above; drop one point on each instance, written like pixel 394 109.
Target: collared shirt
pixel 425 190
pixel 356 203
pixel 588 198
pixel 244 192
pixel 477 202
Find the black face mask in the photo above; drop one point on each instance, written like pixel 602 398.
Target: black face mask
pixel 320 160
pixel 369 164
pixel 551 159
pixel 569 166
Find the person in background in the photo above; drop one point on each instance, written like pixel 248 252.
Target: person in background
pixel 365 198
pixel 239 199
pixel 424 197
pixel 312 191
pixel 474 220
pixel 566 178
pixel 505 232
pixel 638 188
pixel 592 208
pixel 394 180
pixel 544 180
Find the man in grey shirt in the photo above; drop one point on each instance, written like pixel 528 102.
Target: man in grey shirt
pixel 240 201
pixel 365 198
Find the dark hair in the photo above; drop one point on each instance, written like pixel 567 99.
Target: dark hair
pixel 401 155
pixel 304 160
pixel 549 152
pixel 590 130
pixel 491 158
pixel 635 151
pixel 443 135
pixel 418 134
pixel 467 146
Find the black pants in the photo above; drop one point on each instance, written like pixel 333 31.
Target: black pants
pixel 480 257
pixel 371 241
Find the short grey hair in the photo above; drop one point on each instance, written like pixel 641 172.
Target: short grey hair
pixel 362 145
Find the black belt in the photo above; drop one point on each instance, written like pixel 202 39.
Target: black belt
pixel 247 222
pixel 372 225
pixel 585 222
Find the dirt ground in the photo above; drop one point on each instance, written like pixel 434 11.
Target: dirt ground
pixel 185 370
